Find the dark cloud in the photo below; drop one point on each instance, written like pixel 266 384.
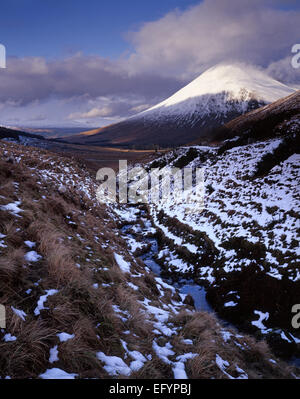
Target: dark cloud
pixel 35 79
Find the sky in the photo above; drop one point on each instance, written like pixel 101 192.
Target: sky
pixel 93 62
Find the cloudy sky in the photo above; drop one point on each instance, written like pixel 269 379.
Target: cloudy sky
pixel 91 62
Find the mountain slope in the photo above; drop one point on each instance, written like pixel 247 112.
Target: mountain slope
pixel 272 120
pixel 214 98
pixel 244 245
pixel 79 304
pixel 18 136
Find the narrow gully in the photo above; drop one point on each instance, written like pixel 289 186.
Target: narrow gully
pixel 187 287
pixel 184 286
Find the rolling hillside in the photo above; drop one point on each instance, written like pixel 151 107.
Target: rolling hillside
pixel 244 245
pixel 81 304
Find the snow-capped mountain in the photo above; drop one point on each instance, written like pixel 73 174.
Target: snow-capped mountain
pixel 218 90
pixel 217 96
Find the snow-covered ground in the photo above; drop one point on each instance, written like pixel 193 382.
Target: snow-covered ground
pixel 258 210
pixel 143 316
pixel 248 224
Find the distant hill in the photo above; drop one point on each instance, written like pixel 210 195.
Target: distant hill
pixel 16 135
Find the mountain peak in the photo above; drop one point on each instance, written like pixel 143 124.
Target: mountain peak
pixel 240 81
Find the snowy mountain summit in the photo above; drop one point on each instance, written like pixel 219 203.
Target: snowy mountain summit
pixel 217 96
pixel 219 88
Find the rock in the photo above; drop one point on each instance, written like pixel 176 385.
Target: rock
pixel 176 297
pixel 62 189
pixel 10 160
pixel 189 301
pixel 281 347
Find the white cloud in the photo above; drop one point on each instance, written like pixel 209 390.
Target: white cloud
pixel 183 44
pixel 282 70
pixel 140 108
pixel 93 113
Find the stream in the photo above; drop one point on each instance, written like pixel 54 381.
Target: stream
pixel 184 286
pixel 187 287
